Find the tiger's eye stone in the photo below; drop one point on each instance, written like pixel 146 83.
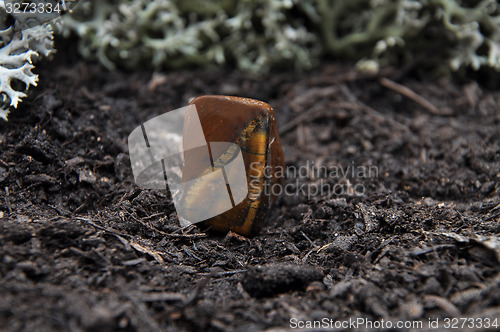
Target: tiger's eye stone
pixel 250 124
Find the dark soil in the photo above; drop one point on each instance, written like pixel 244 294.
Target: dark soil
pixel 82 248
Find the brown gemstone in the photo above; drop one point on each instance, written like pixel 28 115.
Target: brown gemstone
pixel 251 125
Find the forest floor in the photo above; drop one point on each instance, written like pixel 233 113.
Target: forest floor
pixel 412 236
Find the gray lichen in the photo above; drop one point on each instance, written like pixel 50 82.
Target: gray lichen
pixel 19 48
pixel 473 28
pixel 17 53
pixel 457 32
pixel 255 35
pixel 258 35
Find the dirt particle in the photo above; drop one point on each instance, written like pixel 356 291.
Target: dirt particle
pixel 271 279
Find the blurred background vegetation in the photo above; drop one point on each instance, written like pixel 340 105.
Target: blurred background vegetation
pixel 257 35
pixel 436 37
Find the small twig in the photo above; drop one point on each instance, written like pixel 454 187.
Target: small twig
pixel 109 230
pixel 227 273
pixel 153 215
pixel 190 253
pixel 312 114
pixel 169 235
pixel 232 235
pixel 222 274
pixel 7 200
pixel 314 245
pixel 307 255
pixel 123 197
pixel 186 236
pixel 307 116
pixel 143 249
pixel 424 251
pixel 324 247
pixel 495 208
pixel 403 90
pixel 350 76
pixel 376 115
pixel 381 247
